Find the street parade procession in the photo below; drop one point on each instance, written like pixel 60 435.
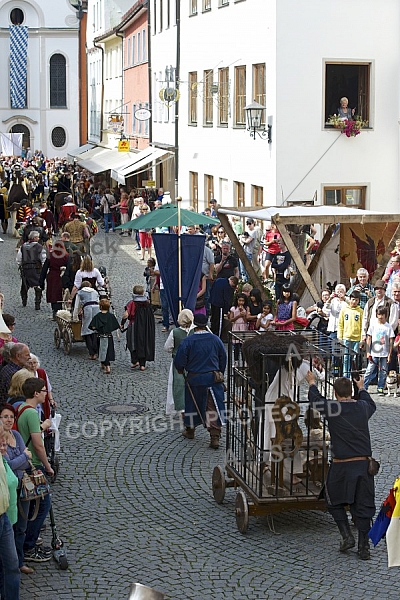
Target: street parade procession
pixel 280 379
pixel 199 300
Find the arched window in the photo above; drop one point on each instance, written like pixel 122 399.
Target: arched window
pixel 26 140
pixel 17 16
pixel 58 137
pixel 58 82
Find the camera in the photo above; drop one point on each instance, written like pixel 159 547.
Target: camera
pixel 275 237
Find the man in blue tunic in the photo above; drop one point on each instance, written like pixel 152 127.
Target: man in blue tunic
pixel 201 355
pixel 348 481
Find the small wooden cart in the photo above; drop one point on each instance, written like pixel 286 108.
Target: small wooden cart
pixel 67 331
pixel 263 459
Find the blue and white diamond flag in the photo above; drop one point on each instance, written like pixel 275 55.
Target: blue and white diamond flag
pixel 18 64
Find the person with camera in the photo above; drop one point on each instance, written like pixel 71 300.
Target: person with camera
pixel 363 286
pixel 348 482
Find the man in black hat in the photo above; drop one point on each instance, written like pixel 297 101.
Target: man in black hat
pixel 202 356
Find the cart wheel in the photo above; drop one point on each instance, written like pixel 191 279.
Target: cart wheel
pixel 218 485
pixel 242 512
pixel 67 341
pixel 63 562
pixel 57 338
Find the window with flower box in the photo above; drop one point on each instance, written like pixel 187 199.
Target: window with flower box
pixel 223 96
pixel 208 98
pixel 350 80
pixel 238 188
pixel 257 193
pixel 193 7
pixel 193 98
pixel 352 196
pixel 240 96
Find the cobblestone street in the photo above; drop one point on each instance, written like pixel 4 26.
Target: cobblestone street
pixel 133 499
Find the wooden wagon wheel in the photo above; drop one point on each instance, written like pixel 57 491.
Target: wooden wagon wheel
pixel 67 338
pixel 57 337
pixel 242 512
pixel 218 484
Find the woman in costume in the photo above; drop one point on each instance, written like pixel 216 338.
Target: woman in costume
pixel 51 273
pixel 140 335
pixel 104 323
pixel 176 382
pixel 88 301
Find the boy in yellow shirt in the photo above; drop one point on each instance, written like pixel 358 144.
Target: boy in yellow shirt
pixel 349 329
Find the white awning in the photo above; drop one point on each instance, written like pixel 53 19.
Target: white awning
pixel 314 214
pixel 141 159
pixel 105 159
pixel 78 151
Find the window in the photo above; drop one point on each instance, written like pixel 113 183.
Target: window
pixel 58 137
pixel 239 193
pixel 223 2
pixel 240 96
pixel 206 5
pixel 259 84
pixel 193 98
pixel 133 119
pixel 155 17
pixel 17 16
pixel 348 196
pixel 223 96
pixel 352 81
pixel 168 14
pixel 161 14
pixel 139 49
pixel 194 187
pixel 193 7
pixel 257 193
pixel 208 189
pixel 133 57
pixel 208 98
pixel 58 82
pixel 144 52
pixel 128 52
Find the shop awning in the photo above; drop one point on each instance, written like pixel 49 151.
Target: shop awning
pixel 78 151
pixel 105 159
pixel 141 159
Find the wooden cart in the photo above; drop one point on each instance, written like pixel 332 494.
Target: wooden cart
pixel 67 331
pixel 262 460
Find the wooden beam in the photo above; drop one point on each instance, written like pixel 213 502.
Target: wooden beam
pixel 298 260
pixel 314 263
pixel 242 255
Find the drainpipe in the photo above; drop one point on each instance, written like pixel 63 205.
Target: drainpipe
pixel 122 36
pixel 102 91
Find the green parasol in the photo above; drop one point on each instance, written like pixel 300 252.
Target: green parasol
pixel 167 216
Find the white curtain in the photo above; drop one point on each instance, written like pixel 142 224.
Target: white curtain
pixel 11 144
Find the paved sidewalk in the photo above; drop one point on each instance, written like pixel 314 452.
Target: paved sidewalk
pixel 133 501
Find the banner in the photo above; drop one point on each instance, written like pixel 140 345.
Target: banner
pixel 192 250
pixel 364 245
pixel 11 144
pixel 18 65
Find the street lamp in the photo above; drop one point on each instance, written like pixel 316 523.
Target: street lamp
pixel 77 4
pixel 254 114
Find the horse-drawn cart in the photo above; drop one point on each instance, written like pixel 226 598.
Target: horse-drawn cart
pixel 68 331
pixel 276 447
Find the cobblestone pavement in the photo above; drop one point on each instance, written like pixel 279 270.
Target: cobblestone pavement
pixel 133 501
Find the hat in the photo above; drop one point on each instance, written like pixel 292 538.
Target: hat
pixel 380 284
pixel 200 320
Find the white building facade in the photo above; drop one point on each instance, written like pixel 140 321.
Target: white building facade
pixel 44 103
pixel 289 57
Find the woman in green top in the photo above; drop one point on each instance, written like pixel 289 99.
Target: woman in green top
pixel 176 382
